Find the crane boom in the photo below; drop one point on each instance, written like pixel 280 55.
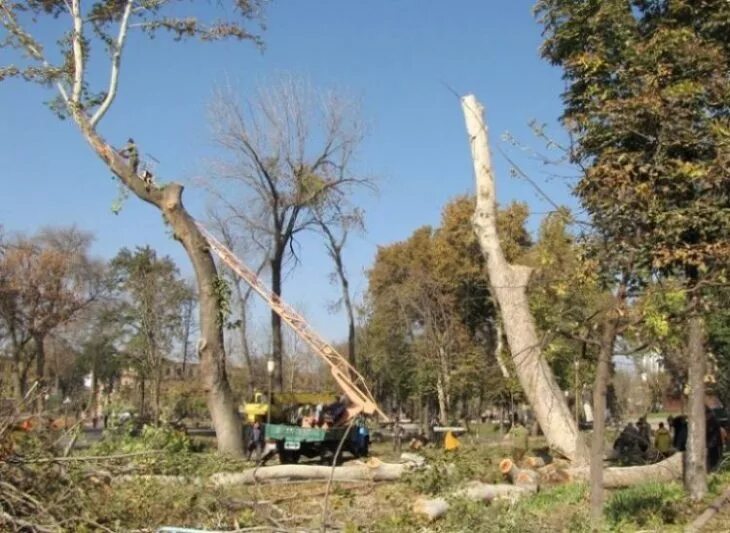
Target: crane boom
pixel 347 377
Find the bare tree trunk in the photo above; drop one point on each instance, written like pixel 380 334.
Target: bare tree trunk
pixel 443 407
pixel 18 382
pixel 336 252
pixel 608 338
pixel 93 400
pixel 168 200
pixel 243 337
pixel 445 386
pixel 509 283
pixel 696 472
pixel 277 342
pixel 157 382
pixel 142 407
pixel 40 369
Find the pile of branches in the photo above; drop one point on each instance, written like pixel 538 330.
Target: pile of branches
pixel 41 490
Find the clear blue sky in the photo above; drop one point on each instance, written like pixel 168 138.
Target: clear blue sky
pixel 398 56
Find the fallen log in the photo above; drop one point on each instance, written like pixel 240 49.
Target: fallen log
pixel 433 508
pixel 520 477
pixel 374 471
pixel 534 462
pixel 625 476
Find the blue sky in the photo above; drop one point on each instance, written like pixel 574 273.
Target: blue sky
pixel 401 58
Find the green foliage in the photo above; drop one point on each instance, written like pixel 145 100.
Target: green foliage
pixel 448 470
pixel 126 439
pixel 650 503
pixel 647 101
pixel 222 291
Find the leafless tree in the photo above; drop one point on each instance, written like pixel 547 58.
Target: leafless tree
pixel 289 154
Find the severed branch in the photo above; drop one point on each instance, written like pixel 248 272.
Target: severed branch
pixel 116 61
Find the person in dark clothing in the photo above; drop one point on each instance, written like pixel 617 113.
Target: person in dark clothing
pixel 644 430
pixel 680 429
pixel 256 443
pixel 132 154
pixel 714 440
pixel 627 443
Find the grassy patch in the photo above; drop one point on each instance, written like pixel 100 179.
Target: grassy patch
pixel 650 504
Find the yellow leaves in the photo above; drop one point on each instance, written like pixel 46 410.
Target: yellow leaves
pixel 691 170
pixel 658 325
pixel 589 62
pixel 683 89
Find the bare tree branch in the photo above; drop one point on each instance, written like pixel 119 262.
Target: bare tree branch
pixel 116 61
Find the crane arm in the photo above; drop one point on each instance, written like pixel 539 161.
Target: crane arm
pixel 347 377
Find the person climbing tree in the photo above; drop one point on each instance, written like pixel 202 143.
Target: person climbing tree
pixel 131 153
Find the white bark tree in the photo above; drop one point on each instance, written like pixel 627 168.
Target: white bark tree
pixel 84 28
pixel 509 284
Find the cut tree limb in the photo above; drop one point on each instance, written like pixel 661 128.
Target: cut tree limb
pixel 362 472
pixel 521 477
pixel 625 476
pixel 508 283
pixel 433 508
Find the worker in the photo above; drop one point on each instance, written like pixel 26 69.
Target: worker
pixel 644 430
pixel 256 442
pixel 713 435
pixel 451 443
pixel 663 440
pixel 131 153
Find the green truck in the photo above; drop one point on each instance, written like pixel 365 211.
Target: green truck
pixel 294 441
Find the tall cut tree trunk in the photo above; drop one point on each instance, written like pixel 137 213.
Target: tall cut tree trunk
pixel 598 444
pixel 509 283
pixel 696 473
pixel 277 342
pixel 168 200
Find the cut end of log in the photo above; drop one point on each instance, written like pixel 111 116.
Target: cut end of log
pixel 505 465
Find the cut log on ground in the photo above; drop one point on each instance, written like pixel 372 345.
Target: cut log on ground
pixel 374 471
pixel 534 462
pixel 433 508
pixel 521 477
pixel 625 476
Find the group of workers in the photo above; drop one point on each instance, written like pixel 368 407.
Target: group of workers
pixel 639 439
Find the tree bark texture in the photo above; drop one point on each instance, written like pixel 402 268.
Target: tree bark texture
pixel 608 338
pixel 362 472
pixel 168 199
pixel 696 470
pixel 617 477
pixel 40 371
pixel 277 343
pixel 509 284
pixel 243 335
